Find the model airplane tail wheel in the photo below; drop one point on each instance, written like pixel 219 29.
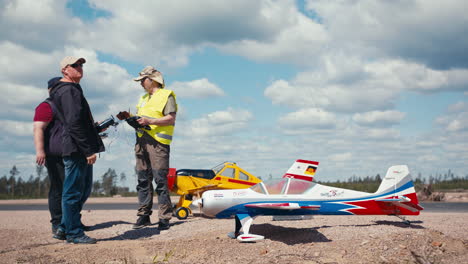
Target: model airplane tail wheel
pixel 182 213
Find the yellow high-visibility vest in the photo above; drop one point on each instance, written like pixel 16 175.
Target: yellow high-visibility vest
pixel 153 108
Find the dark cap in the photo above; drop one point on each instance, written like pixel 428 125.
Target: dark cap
pixel 52 82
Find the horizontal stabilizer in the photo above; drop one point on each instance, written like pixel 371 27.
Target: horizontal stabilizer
pixel 397 199
pixel 249 238
pixel 404 202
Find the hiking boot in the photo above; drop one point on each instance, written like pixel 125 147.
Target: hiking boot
pixel 84 239
pixel 142 221
pixel 163 224
pixel 60 234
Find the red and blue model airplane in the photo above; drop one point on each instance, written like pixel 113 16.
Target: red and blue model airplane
pixel 296 194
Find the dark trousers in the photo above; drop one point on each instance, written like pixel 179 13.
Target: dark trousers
pixel 152 162
pixel 56 171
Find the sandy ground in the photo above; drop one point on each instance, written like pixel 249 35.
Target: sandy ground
pixel 25 237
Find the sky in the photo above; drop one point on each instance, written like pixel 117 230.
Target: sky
pixel 357 85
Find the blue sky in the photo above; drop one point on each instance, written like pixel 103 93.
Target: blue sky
pixel 356 85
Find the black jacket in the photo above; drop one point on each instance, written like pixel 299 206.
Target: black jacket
pixel 79 134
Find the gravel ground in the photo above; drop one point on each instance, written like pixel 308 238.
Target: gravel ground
pixel 25 237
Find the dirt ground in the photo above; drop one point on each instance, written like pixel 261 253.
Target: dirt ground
pixel 25 237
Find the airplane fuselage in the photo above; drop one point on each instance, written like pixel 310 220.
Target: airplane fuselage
pixel 319 199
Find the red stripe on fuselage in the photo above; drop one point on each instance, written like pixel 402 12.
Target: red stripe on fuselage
pixel 267 205
pixel 310 207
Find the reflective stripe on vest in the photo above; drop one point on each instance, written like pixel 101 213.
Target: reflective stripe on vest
pixel 153 108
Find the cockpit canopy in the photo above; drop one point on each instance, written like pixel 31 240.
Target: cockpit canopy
pixel 283 186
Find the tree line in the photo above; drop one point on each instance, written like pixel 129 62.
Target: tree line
pixel 14 187
pixel 438 182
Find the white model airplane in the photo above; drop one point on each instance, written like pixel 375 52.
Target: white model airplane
pixel 297 194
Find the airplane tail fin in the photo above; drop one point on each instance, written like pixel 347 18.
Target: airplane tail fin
pixel 396 177
pixel 302 169
pixel 397 188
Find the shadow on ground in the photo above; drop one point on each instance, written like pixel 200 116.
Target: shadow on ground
pixel 288 235
pixel 133 234
pixel 107 225
pixel 412 225
pixel 400 224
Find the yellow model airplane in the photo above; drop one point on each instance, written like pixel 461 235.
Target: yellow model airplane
pixel 188 183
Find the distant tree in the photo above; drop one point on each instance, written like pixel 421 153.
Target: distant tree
pixel 123 178
pixel 12 181
pixel 4 185
pixel 97 188
pixel 378 178
pixel 108 182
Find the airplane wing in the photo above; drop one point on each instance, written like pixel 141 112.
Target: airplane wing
pixel 202 189
pixel 283 206
pixel 402 201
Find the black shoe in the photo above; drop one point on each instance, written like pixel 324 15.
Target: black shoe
pixel 84 239
pixel 142 221
pixel 60 234
pixel 163 224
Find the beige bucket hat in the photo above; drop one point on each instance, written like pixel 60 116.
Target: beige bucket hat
pixel 70 60
pixel 152 73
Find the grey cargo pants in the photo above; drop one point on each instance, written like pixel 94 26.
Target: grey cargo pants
pixel 152 161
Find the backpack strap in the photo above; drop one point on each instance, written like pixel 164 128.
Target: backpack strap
pixel 55 111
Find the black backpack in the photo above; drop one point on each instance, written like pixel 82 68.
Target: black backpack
pixel 53 134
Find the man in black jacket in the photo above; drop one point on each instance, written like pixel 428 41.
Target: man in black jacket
pixel 80 143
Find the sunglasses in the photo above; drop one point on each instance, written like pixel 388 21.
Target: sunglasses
pixel 76 65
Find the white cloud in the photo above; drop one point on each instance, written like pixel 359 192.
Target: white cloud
pixel 417 29
pixel 10 128
pixel 301 40
pixel 352 85
pixel 456 125
pixel 378 118
pixel 308 119
pixel 40 25
pixel 165 33
pixel 455 120
pixel 201 88
pixel 219 123
pixel 386 134
pixel 341 157
pixel 458 107
pixel 29 65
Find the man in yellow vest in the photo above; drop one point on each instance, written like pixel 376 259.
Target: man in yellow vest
pixel 157 108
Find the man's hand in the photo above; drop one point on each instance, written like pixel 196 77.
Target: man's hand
pixel 123 115
pixel 104 129
pixel 91 159
pixel 143 121
pixel 40 158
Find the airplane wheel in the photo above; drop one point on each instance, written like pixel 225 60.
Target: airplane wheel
pixel 182 213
